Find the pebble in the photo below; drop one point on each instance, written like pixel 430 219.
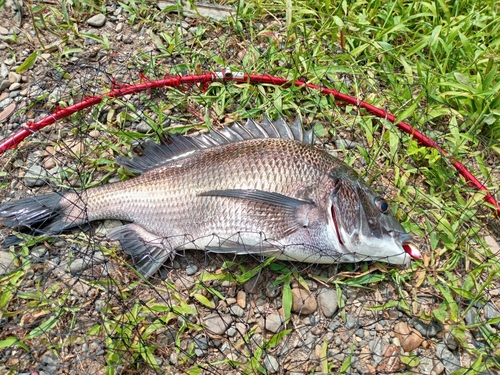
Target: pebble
pixel 274 323
pixel 427 330
pixel 79 265
pixel 15 86
pixel 6 263
pixel 14 77
pixel 37 253
pixel 471 316
pixel 409 338
pixel 143 127
pixel 167 337
pixel 49 363
pixel 241 299
pixel 4 71
pixel 106 226
pixel 35 176
pixel 10 61
pixel 272 291
pixel 351 322
pixel 191 269
pixel 4 84
pixel 303 302
pixel 491 312
pixel 450 341
pixel 97 21
pixel 217 324
pixel 119 27
pixel 271 364
pixel 328 302
pixel 237 310
pixel 450 362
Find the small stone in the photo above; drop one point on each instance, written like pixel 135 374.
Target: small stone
pixel 274 323
pixel 241 299
pixel 4 31
pixel 37 253
pixel 409 338
pixel 77 148
pixel 438 368
pixel 450 362
pixel 143 127
pixel 119 27
pixel 107 226
pixel 15 86
pixel 9 62
pixel 4 71
pixel 491 312
pixel 6 263
pixel 97 21
pixel 217 324
pixel 427 330
pixel 191 269
pixel 81 264
pixel 303 302
pixel 271 364
pixel 236 310
pixel 167 337
pixel 471 316
pixel 4 84
pixel 450 341
pixel 351 322
pixel 328 302
pixel 272 291
pixel 35 176
pixel 14 77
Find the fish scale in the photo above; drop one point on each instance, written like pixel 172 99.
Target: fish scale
pixel 257 188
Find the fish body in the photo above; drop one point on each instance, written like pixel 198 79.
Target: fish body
pixel 252 189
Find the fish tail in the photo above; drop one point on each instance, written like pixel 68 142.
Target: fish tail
pixel 48 214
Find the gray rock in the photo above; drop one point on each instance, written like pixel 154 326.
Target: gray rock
pixel 334 325
pixel 491 312
pixel 4 71
pixel 272 291
pixel 6 263
pixel 10 61
pixel 274 323
pixel 378 349
pixel 119 27
pixel 14 77
pixel 217 324
pixel 231 332
pixel 328 302
pixel 4 85
pixel 426 365
pixel 471 316
pixel 49 363
pixel 35 176
pixel 79 265
pixel 200 345
pixel 107 226
pixel 351 322
pixel 450 341
pixel 143 127
pixel 347 144
pixel 450 362
pixel 236 310
pixel 191 269
pixel 427 330
pixel 15 86
pixel 97 21
pixel 271 364
pixel 37 253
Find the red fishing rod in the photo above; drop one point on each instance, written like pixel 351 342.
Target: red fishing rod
pixel 226 75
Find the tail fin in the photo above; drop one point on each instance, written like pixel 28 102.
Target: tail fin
pixel 48 214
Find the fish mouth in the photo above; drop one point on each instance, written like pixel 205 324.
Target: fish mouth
pixel 411 249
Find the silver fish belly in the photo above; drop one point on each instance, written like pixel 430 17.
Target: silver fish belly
pixel 252 189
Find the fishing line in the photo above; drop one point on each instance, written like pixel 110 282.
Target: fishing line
pixel 226 75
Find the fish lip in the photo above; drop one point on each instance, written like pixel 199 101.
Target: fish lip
pixel 412 250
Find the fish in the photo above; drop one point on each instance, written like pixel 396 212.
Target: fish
pixel 258 188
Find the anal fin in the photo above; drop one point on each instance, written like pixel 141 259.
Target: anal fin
pixel 147 250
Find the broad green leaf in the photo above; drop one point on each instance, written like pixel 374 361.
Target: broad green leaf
pixel 28 63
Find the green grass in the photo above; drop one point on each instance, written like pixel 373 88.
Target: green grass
pixel 431 64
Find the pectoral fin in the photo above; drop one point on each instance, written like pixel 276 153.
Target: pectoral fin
pixel 147 250
pixel 290 211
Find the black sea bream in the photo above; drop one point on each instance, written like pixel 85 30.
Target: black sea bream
pixel 252 189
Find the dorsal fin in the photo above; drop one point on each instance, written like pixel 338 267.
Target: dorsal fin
pixel 177 147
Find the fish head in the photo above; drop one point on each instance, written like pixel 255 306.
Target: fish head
pixel 364 225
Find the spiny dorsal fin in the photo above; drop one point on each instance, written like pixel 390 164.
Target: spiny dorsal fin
pixel 177 147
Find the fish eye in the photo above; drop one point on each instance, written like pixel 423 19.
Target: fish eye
pixel 382 205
